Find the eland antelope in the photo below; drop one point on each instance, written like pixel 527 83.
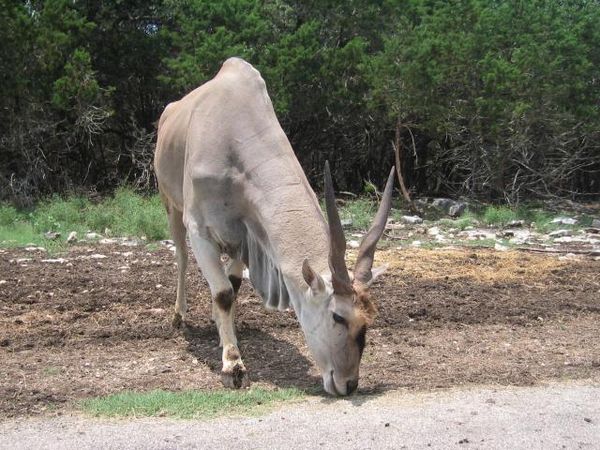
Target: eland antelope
pixel 228 177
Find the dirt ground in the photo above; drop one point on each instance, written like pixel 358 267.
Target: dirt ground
pixel 98 321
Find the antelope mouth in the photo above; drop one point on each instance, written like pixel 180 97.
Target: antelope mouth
pixel 330 387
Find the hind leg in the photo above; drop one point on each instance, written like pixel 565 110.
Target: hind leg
pixel 208 256
pixel 178 232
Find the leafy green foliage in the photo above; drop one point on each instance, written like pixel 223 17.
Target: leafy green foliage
pixel 490 99
pixel 502 91
pixel 8 215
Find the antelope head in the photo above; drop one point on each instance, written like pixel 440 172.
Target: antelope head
pixel 340 308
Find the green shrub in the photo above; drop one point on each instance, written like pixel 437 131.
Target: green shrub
pixel 9 215
pixel 498 215
pixel 58 214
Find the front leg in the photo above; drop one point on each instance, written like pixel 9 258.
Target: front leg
pixel 233 374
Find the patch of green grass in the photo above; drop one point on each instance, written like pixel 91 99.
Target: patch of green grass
pixel 130 214
pixel 19 234
pixel 125 214
pixel 187 404
pixel 152 247
pixel 466 220
pixel 360 211
pixel 484 243
pixel 432 245
pixel 498 215
pixel 530 214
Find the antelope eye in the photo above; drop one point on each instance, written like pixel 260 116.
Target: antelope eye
pixel 339 319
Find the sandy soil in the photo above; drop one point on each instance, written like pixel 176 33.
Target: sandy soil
pixel 93 325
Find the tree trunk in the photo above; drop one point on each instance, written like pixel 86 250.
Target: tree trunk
pixel 398 152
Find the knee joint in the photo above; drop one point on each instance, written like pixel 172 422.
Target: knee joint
pixel 224 299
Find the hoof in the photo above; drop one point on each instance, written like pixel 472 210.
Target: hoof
pixel 178 321
pixel 235 378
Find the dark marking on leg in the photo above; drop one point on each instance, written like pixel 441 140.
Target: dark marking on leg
pixel 224 299
pixel 236 283
pixel 232 354
pixel 177 321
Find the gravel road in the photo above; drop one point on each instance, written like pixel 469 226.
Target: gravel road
pixel 555 416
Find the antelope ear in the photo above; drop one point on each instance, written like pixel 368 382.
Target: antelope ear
pixel 376 272
pixel 312 278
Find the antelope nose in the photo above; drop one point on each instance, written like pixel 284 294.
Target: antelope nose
pixel 351 386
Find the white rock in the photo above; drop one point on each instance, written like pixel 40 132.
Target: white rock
pixel 433 231
pixel 72 237
pixel 564 239
pixel 457 209
pixel 354 244
pixel 568 256
pixel 442 203
pixel 395 226
pixel 130 242
pixel 500 247
pixel 560 233
pixel 97 256
pixel 520 237
pixel 515 224
pixel 92 235
pixel 108 241
pixel 55 261
pixel 564 221
pixel 416 243
pixel 35 249
pixel 3 281
pixel 472 235
pixel 411 219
